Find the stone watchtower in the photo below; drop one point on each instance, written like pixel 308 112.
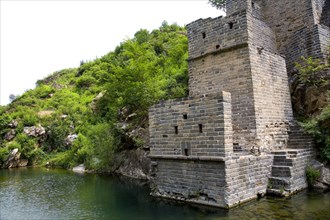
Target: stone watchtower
pixel 235 132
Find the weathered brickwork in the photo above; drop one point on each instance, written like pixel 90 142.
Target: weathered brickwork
pixel 199 127
pixel 213 74
pixel 246 178
pixel 224 148
pixel 299 26
pixel 191 180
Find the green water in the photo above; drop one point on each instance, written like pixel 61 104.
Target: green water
pixel 35 193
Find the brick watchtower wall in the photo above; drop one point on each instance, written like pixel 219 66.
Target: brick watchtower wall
pixel 301 27
pixel 190 139
pixel 238 54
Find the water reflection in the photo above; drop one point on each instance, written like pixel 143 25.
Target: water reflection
pixel 35 193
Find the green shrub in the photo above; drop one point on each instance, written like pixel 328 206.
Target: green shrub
pixel 310 71
pixel 5 119
pixel 312 175
pixel 28 144
pixel 62 159
pixel 12 145
pixel 36 156
pixel 30 119
pixel 43 91
pixel 4 153
pixel 57 132
pixel 85 81
pixel 100 149
pixel 319 128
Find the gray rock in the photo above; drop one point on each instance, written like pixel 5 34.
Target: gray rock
pixel 35 131
pixel 79 169
pixel 323 182
pixel 10 135
pixel 13 124
pixel 14 160
pixel 93 104
pixel 70 139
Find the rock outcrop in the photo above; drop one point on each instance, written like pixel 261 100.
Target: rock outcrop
pixel 14 160
pixel 34 131
pixel 133 163
pixel 323 182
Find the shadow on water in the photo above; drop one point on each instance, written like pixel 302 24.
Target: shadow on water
pixel 37 193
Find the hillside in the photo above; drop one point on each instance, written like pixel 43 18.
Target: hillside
pixel 87 114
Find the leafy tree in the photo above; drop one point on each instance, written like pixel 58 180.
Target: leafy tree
pixel 12 97
pixel 311 71
pixel 219 4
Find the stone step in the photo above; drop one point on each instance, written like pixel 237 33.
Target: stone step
pixel 281 171
pixel 282 152
pixel 282 160
pixel 278 183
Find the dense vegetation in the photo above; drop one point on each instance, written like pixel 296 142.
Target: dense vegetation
pixel 103 104
pixel 312 73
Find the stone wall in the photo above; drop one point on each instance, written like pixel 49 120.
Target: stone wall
pixel 294 25
pixel 233 6
pixel 191 180
pixel 198 127
pixel 246 178
pixel 321 37
pixel 207 36
pixel 272 99
pixel 214 73
pixel 261 35
pixel 189 139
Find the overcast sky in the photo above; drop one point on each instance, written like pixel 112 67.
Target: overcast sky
pixel 41 37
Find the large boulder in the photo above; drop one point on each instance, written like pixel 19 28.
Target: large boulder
pixel 14 160
pixel 35 131
pixel 133 163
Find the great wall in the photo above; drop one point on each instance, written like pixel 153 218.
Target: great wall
pixel 235 138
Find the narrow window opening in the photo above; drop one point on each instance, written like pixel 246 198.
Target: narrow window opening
pixel 186 153
pixel 185 116
pixel 252 4
pixel 217 47
pixel 260 49
pixel 200 128
pixel 231 24
pixel 203 35
pixel 176 129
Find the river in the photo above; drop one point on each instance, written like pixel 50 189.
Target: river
pixel 40 193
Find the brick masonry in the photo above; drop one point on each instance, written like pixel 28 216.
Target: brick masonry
pixel 234 138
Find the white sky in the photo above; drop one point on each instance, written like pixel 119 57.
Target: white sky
pixel 41 37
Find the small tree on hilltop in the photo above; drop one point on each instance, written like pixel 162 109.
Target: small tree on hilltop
pixel 219 4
